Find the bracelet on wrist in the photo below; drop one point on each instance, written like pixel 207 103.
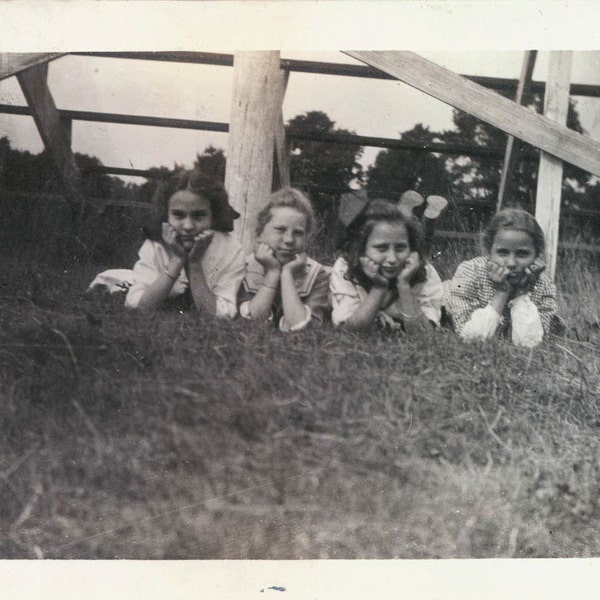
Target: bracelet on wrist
pixel 172 277
pixel 271 287
pixel 406 317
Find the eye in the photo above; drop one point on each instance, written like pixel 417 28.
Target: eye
pixel 201 214
pixel 400 247
pixel 524 253
pixel 177 214
pixel 502 251
pixel 299 232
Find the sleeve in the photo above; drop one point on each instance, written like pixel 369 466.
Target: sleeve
pixel 544 297
pixel 527 329
pixel 316 304
pixel 429 296
pixel 463 301
pixel 244 297
pixel 227 284
pixel 345 295
pixel 145 271
pixel 482 325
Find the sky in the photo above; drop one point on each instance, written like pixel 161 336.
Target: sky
pixel 367 107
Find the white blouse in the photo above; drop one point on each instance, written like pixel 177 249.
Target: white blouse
pixel 222 263
pixel 347 296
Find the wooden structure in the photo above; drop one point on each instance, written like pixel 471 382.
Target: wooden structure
pixel 256 132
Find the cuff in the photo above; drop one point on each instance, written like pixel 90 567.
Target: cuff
pixel 225 308
pixel 285 326
pixel 482 325
pixel 527 329
pixel 245 311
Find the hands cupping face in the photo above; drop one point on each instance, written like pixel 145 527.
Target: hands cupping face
pixel 413 262
pixel 201 243
pixel 266 257
pixel 297 264
pixel 371 270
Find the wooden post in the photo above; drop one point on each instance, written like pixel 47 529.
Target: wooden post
pixel 547 205
pixel 47 118
pixel 512 148
pixel 282 149
pixel 258 90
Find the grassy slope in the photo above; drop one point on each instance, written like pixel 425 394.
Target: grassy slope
pixel 174 436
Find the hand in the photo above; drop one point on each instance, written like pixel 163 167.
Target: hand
pixel 499 276
pixel 386 322
pixel 296 265
pixel 371 270
pixel 413 262
pixel 530 274
pixel 266 257
pixel 201 243
pixel 169 236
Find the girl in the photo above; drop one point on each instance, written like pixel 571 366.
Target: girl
pixel 281 282
pixel 381 276
pixel 504 291
pixel 189 256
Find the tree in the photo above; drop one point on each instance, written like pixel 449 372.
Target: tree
pixel 325 165
pixel 396 171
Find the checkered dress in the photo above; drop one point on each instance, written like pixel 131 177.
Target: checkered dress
pixel 471 288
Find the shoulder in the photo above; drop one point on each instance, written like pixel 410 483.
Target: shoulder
pixel 473 267
pixel 225 243
pixel 431 275
pixel 340 266
pixel 150 249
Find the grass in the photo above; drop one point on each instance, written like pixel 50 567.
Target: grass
pixel 168 435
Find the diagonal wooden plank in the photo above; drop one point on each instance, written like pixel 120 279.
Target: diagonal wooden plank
pixel 553 138
pixel 512 148
pixel 12 63
pixel 47 119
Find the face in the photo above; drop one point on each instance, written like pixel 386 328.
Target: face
pixel 388 247
pixel 285 233
pixel 189 215
pixel 513 250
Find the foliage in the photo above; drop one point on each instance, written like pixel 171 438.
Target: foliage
pixel 396 171
pixel 322 164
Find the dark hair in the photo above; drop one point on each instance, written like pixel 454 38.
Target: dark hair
pixel 513 219
pixel 197 182
pixel 355 240
pixel 291 198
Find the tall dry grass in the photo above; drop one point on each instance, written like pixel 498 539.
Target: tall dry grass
pixel 168 435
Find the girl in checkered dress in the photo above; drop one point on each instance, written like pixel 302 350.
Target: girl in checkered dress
pixel 505 292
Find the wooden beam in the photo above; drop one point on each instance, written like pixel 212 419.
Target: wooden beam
pixel 48 121
pixel 550 174
pixel 509 164
pixel 488 106
pixel 12 63
pixel 282 150
pixel 256 104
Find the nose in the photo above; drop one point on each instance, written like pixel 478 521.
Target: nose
pixel 288 238
pixel 390 257
pixel 188 224
pixel 510 261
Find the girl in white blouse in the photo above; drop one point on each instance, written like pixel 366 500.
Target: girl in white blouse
pixel 505 291
pixel 189 257
pixel 381 276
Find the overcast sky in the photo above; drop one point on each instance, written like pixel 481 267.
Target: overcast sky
pixel 367 107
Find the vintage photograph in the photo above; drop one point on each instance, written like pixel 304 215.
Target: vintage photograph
pixel 296 305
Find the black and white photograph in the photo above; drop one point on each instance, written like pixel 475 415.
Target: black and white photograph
pixel 299 317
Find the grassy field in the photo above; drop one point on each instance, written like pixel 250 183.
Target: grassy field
pixel 168 435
